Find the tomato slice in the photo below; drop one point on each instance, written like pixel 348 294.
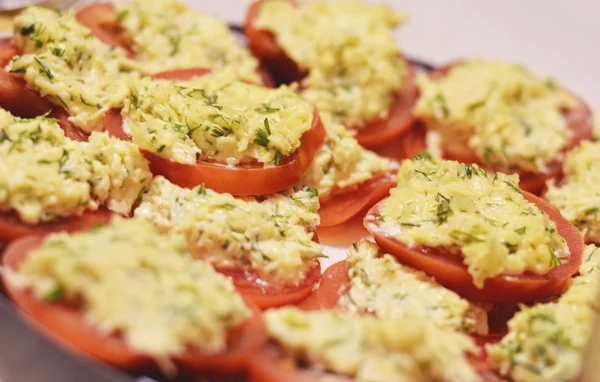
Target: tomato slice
pixel 253 179
pixel 180 74
pixel 414 141
pixel 65 324
pixel 7 51
pixel 335 284
pixel 101 19
pixel 345 204
pixel 449 270
pixel 18 99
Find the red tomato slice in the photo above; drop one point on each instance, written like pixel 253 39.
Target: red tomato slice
pixel 414 141
pixel 7 51
pixel 21 101
pixel 449 270
pixel 253 179
pixel 180 74
pixel 335 284
pixel 64 323
pixel 101 19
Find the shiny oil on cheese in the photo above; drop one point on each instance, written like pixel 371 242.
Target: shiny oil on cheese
pixel 353 63
pixel 480 216
pixel 510 117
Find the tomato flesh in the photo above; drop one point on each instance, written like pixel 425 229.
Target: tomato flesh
pixel 7 51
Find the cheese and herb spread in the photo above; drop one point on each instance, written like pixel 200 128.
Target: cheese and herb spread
pixel 271 237
pixel 341 162
pixel 511 118
pixel 578 195
pixel 482 217
pixel 346 47
pixel 44 175
pixel 167 35
pixel 216 117
pixel 370 349
pixel 546 342
pixel 131 280
pixel 63 61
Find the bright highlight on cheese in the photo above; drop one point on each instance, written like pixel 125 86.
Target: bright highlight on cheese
pixel 44 175
pixel 578 196
pixel 270 238
pixel 353 63
pixel 511 118
pixel 131 280
pixel 217 118
pixel 167 35
pixel 480 216
pixel 368 349
pixel 546 342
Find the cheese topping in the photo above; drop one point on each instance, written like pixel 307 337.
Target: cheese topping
pixel 546 342
pixel 510 117
pixel 578 197
pixel 65 62
pixel 341 162
pixel 217 117
pixel 44 175
pixel 133 281
pixel 353 63
pixel 465 210
pixel 369 349
pixel 388 289
pixel 168 35
pixel 269 237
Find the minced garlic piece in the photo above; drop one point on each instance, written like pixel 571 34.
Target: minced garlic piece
pixel 370 349
pixel 546 342
pixel 217 117
pixel 341 162
pixel 482 217
pixel 578 195
pixel 131 280
pixel 270 237
pixel 168 35
pixel 353 62
pixel 510 117
pixel 62 60
pixel 44 175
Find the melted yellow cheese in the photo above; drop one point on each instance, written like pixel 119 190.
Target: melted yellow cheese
pixel 510 117
pixel 370 349
pixel 546 342
pixel 168 35
pixel 578 196
pixel 484 217
pixel 133 281
pixel 44 175
pixel 63 61
pixel 270 237
pixel 217 117
pixel 353 63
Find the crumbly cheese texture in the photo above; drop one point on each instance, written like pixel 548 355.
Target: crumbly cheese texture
pixel 167 35
pixel 473 214
pixel 44 175
pixel 271 237
pixel 63 61
pixel 546 342
pixel 578 196
pixel 353 63
pixel 381 286
pixel 341 163
pixel 510 117
pixel 217 118
pixel 132 280
pixel 370 349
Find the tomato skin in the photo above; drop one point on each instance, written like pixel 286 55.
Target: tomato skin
pixel 250 180
pixel 18 99
pixel 101 19
pixel 334 285
pixel 414 141
pixel 449 270
pixel 7 51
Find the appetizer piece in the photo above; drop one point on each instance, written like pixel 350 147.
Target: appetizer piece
pixel 129 296
pixel 232 136
pixel 577 195
pixel 476 233
pixel 266 247
pixel 162 35
pixel 330 345
pixel 345 58
pixel 51 183
pixel 502 117
pixel 546 342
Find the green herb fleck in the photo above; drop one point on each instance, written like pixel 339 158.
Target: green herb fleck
pixel 266 109
pixel 56 294
pixel 313 191
pixel 44 68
